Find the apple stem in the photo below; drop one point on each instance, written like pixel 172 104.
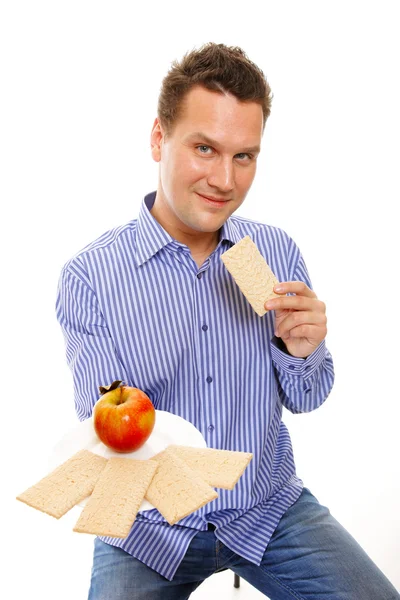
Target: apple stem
pixel 103 389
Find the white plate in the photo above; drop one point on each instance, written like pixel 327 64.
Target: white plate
pixel 168 429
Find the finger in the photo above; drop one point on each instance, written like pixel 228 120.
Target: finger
pixel 296 319
pixel 296 303
pixel 294 287
pixel 310 332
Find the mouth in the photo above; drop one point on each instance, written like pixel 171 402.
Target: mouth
pixel 212 200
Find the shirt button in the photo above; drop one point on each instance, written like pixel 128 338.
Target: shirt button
pixel 210 428
pixel 209 379
pixel 205 327
pixel 199 275
pixel 292 367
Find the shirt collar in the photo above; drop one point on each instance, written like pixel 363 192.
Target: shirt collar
pixel 152 237
pixel 230 232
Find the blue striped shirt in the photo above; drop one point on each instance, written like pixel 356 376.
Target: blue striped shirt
pixel 133 305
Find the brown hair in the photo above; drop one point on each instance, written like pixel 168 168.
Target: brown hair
pixel 216 67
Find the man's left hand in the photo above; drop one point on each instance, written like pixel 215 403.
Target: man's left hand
pixel 300 320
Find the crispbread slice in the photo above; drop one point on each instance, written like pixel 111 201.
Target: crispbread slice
pixel 176 490
pixel 116 498
pixel 67 485
pixel 218 468
pixel 251 272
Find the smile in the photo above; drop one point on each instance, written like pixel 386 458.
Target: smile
pixel 212 201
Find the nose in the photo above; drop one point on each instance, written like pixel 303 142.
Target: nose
pixel 222 175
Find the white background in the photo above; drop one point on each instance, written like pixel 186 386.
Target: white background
pixel 79 83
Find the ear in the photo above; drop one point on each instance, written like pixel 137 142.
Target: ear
pixel 156 140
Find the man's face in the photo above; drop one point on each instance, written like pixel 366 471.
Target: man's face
pixel 211 153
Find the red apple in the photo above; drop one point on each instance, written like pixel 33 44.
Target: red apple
pixel 123 417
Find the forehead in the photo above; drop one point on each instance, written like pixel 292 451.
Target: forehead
pixel 220 116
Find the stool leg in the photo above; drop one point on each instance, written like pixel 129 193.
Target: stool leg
pixel 236 580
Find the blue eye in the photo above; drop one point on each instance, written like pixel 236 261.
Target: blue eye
pixel 241 156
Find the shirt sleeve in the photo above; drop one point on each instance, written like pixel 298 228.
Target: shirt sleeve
pixel 303 384
pixel 90 351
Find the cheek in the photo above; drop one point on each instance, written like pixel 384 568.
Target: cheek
pixel 180 170
pixel 245 178
pixel 190 168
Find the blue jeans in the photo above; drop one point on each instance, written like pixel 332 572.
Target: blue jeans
pixel 310 557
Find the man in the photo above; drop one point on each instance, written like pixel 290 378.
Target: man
pixel 152 304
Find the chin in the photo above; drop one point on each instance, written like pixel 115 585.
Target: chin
pixel 207 227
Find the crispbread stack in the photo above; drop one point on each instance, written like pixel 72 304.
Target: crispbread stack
pixel 116 498
pixel 218 468
pixel 176 490
pixel 251 272
pixel 67 485
pixel 177 481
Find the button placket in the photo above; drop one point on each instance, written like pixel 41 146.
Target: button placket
pixel 180 255
pixel 206 388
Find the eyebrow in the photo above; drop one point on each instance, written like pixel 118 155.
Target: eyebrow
pixel 210 142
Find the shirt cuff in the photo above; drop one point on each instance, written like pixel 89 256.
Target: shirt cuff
pixel 303 367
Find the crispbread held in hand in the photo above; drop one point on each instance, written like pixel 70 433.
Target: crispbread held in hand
pixel 218 468
pixel 67 485
pixel 176 490
pixel 251 272
pixel 116 498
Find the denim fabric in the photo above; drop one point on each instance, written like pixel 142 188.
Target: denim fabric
pixel 310 557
